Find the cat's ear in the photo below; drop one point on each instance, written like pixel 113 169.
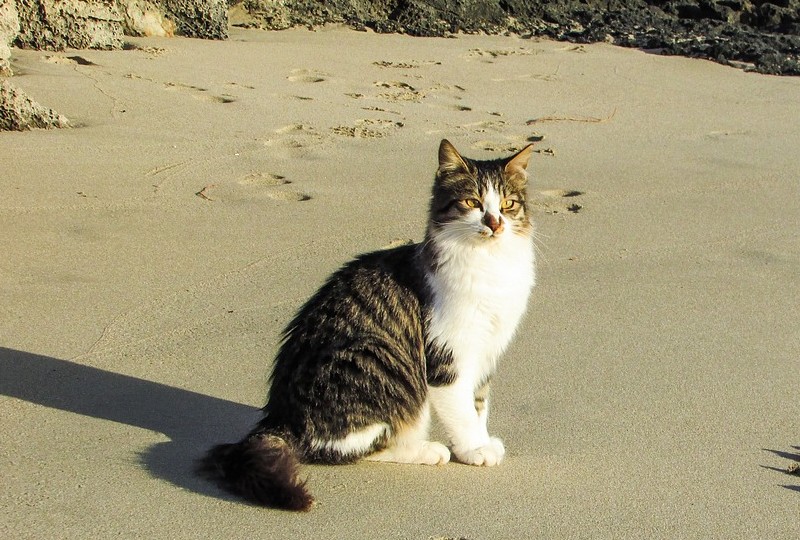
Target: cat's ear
pixel 450 160
pixel 517 164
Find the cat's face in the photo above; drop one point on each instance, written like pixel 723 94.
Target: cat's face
pixel 480 201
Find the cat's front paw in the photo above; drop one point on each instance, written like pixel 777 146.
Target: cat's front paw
pixel 433 453
pixel 487 456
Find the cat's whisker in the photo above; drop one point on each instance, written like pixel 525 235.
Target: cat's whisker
pixel 540 245
pixel 539 237
pixel 540 253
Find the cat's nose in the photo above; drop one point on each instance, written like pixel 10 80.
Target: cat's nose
pixel 493 223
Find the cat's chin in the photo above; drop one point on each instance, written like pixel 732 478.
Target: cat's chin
pixel 497 236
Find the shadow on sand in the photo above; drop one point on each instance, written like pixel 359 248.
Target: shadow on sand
pixel 795 457
pixel 192 421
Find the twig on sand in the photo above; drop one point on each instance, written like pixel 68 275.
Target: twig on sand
pixel 203 192
pixel 586 119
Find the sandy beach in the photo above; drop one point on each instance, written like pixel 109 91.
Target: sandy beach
pixel 151 255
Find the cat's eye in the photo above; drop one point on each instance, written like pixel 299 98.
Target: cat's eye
pixel 472 203
pixel 509 204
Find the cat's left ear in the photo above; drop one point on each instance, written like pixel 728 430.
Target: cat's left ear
pixel 450 160
pixel 518 163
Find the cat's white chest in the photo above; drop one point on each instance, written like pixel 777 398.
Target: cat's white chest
pixel 479 297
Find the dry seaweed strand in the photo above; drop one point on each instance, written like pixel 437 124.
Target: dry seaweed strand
pixel 203 193
pixel 586 119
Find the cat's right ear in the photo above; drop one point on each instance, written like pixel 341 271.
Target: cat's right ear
pixel 450 161
pixel 518 163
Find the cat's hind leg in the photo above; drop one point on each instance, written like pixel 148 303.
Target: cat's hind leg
pixel 411 445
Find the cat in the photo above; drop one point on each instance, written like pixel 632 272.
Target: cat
pixel 394 334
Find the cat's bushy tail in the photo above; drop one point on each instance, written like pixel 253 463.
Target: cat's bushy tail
pixel 261 468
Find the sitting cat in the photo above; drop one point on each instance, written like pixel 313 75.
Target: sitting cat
pixel 393 334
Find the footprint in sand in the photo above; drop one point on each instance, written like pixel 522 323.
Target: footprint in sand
pixel 447 96
pixel 547 77
pixel 558 201
pixel 483 126
pixel 152 52
pixel 382 110
pixel 494 146
pixel 441 95
pixel 398 91
pixel 394 84
pixel 574 48
pixel 265 182
pixel 255 186
pixel 490 55
pixel 368 128
pixel 511 143
pixel 295 140
pixel 263 179
pixel 451 89
pixel 411 64
pixel 240 85
pixel 68 60
pixel 295 128
pixel 307 76
pixel 198 93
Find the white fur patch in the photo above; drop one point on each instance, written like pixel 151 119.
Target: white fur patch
pixel 357 442
pixel 480 292
pixel 491 201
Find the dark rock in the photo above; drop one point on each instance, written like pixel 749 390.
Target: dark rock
pixel 764 36
pixel 198 18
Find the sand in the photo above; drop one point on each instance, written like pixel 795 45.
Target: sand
pixel 152 254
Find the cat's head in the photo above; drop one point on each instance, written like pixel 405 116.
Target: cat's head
pixel 480 201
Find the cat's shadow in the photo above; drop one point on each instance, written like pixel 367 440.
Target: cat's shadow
pixel 191 421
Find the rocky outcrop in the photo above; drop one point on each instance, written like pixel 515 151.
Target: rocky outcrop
pixel 198 18
pixel 192 18
pixel 102 24
pixel 145 18
pixel 78 24
pixel 762 36
pixel 18 112
pixel 9 28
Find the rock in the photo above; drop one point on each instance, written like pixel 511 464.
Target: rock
pixel 78 24
pixel 191 18
pixel 198 18
pixel 263 14
pixel 9 28
pixel 145 18
pixel 101 24
pixel 283 14
pixel 18 112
